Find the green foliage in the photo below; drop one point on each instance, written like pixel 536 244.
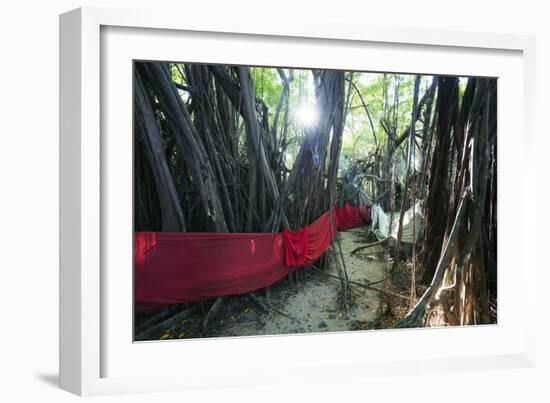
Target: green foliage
pixel 267 85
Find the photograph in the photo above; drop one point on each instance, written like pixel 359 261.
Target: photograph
pixel 276 200
pixel 225 202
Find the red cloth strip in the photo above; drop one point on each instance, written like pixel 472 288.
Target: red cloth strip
pixel 350 217
pixel 176 267
pixel 190 267
pixel 308 244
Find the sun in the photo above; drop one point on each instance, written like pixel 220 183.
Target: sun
pixel 307 115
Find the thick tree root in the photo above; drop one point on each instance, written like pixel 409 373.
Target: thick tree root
pixel 146 334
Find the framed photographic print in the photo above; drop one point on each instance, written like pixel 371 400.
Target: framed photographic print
pixel 237 197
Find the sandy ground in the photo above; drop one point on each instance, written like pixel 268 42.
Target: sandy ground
pixel 312 305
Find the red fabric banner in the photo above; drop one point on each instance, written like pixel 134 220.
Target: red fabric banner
pixel 349 217
pixel 189 267
pixel 176 267
pixel 308 244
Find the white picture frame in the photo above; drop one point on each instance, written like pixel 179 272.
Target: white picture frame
pixel 97 355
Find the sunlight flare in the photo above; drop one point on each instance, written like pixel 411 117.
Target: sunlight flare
pixel 307 115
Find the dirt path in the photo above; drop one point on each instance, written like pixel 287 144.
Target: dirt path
pixel 313 304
